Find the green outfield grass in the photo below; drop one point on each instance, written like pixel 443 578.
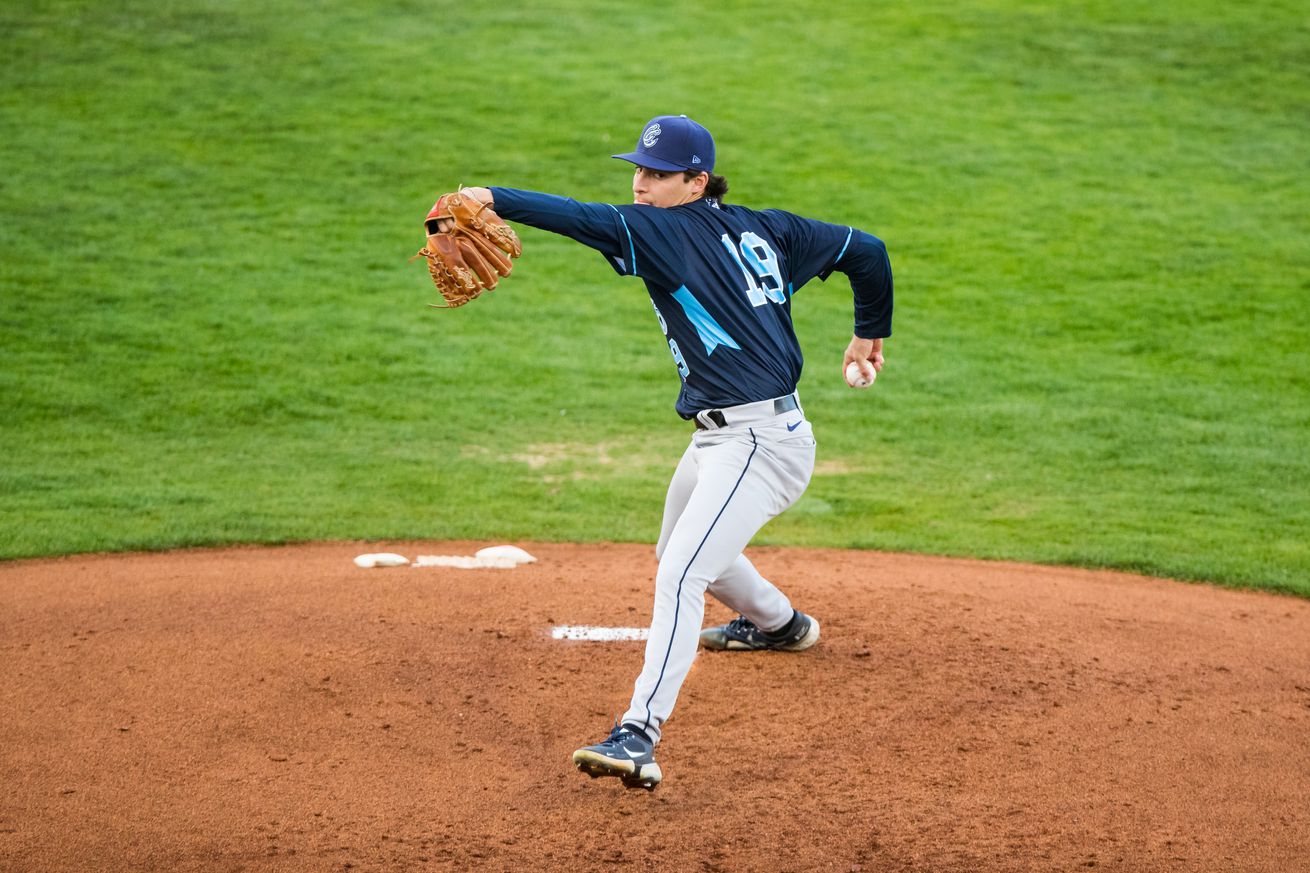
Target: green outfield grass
pixel 1097 216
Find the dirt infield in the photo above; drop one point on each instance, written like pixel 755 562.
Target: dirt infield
pixel 281 709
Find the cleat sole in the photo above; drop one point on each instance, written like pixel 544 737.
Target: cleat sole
pixel 596 766
pixel 716 640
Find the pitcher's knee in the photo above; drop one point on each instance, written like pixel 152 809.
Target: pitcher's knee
pixel 681 575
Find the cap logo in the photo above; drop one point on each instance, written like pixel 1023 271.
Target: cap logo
pixel 695 159
pixel 651 136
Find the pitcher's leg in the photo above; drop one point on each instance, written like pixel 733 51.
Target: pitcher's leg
pixel 768 620
pixel 675 501
pixel 735 494
pixel 742 589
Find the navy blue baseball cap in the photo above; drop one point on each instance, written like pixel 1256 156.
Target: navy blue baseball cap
pixel 671 143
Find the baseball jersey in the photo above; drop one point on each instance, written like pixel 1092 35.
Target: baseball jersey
pixel 722 279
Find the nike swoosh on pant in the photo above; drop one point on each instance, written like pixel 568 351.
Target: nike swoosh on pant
pixel 793 426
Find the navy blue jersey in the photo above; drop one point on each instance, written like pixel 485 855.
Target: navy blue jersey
pixel 722 279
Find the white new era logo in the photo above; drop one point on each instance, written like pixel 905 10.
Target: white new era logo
pixel 695 159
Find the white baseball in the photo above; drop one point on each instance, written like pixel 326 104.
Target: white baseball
pixel 856 378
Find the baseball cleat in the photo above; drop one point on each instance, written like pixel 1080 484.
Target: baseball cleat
pixel 741 634
pixel 624 754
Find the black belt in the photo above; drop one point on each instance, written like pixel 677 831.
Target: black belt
pixel 780 405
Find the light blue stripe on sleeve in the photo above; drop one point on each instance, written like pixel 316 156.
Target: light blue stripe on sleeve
pixel 631 250
pixel 849 232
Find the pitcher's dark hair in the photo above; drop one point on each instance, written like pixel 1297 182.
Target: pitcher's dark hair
pixel 716 187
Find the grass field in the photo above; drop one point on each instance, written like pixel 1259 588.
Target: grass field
pixel 1097 216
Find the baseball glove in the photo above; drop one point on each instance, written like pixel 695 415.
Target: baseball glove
pixel 469 248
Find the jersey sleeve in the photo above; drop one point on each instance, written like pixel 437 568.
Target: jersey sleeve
pixel 596 225
pixel 817 249
pixel 866 262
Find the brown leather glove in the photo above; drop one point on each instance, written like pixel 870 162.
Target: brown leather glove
pixel 469 248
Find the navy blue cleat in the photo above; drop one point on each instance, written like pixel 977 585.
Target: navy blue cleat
pixel 625 754
pixel 741 634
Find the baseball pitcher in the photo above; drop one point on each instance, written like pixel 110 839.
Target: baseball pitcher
pixel 722 280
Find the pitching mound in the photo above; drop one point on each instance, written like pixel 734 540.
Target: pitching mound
pixel 282 709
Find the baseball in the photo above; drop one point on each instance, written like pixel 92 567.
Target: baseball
pixel 856 378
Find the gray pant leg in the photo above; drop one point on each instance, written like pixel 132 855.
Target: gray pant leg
pixel 727 486
pixel 681 486
pixel 743 589
pixel 740 587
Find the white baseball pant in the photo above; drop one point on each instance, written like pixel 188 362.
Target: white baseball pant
pixel 730 482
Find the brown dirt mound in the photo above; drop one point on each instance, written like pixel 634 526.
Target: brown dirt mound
pixel 281 709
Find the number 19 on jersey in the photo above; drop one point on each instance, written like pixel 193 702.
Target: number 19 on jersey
pixel 758 263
